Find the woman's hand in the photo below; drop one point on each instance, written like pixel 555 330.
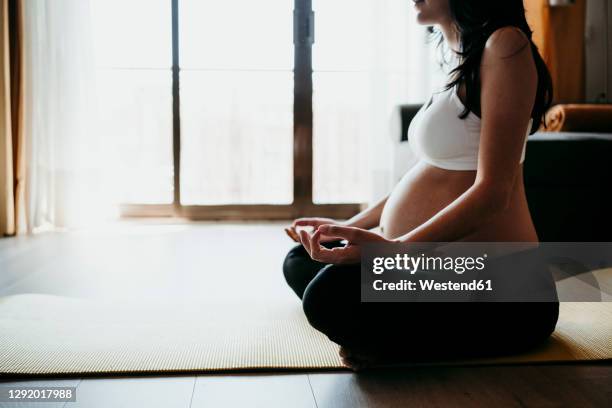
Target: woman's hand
pixel 314 223
pixel 351 253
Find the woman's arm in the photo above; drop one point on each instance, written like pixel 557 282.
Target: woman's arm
pixel 508 87
pixel 368 218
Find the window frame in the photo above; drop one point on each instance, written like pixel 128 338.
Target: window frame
pixel 303 204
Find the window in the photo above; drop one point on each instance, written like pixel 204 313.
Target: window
pixel 211 104
pixel 236 60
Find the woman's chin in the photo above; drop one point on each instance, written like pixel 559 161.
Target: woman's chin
pixel 422 20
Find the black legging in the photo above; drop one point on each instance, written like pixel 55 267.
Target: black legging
pixel 331 299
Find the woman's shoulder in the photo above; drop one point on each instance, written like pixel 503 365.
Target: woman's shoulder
pixel 506 42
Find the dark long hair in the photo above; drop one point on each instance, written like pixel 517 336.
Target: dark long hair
pixel 476 20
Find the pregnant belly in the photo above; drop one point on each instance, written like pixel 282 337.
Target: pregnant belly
pixel 421 193
pixel 426 190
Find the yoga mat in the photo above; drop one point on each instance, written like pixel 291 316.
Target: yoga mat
pixel 44 334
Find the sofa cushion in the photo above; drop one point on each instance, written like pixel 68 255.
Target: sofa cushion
pixel 568 181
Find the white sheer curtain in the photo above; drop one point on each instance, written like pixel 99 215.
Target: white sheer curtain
pixel 63 169
pixel 76 174
pixel 405 71
pixel 368 57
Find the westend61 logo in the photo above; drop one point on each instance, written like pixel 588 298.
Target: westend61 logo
pixel 423 263
pixel 486 272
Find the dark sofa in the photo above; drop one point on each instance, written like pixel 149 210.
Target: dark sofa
pixel 568 180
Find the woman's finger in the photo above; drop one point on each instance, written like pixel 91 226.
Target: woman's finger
pixel 305 240
pixel 349 233
pixel 292 234
pixel 328 238
pixel 315 245
pixel 306 222
pixel 301 222
pixel 341 255
pixel 325 255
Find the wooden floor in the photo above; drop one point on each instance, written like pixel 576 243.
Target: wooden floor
pixel 150 260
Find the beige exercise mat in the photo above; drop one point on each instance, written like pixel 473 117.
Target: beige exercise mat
pixel 42 334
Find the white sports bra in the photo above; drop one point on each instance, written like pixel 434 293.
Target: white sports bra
pixel 439 137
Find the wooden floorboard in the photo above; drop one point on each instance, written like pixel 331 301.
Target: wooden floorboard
pixel 496 386
pixel 157 392
pixel 576 385
pixel 176 260
pixel 269 391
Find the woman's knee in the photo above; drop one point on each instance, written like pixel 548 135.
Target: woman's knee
pixel 298 269
pixel 292 260
pixel 298 264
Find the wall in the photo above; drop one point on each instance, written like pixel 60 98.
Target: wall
pixel 559 34
pixel 598 51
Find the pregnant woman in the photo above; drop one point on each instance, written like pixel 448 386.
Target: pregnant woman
pixel 470 139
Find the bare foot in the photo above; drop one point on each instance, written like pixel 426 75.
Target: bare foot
pixel 356 360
